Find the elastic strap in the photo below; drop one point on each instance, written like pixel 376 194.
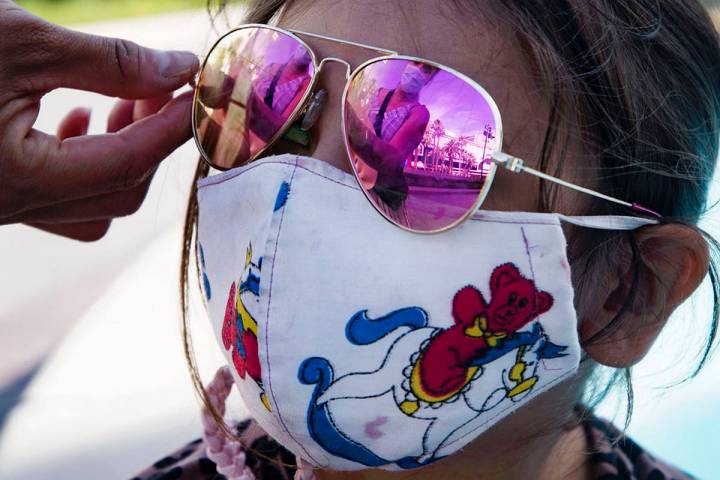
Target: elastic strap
pixel 609 222
pixel 228 454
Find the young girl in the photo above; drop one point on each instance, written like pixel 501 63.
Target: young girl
pixel 364 351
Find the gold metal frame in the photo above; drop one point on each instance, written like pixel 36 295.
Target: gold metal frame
pixel 499 158
pixel 293 117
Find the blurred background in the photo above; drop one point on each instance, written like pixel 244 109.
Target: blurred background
pixel 70 12
pixel 93 382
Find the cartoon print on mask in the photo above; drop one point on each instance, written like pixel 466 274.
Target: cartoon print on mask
pixel 445 378
pixel 206 279
pixel 240 329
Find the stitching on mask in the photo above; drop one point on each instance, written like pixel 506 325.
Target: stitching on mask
pixel 229 175
pixel 224 179
pixel 530 262
pixel 515 406
pixel 527 252
pixel 267 325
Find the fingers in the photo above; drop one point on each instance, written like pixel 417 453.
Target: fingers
pixel 84 232
pixel 126 112
pixel 46 178
pixel 117 67
pixel 101 207
pixel 87 166
pixel 120 116
pixel 145 108
pixel 40 56
pixel 75 124
pixel 123 113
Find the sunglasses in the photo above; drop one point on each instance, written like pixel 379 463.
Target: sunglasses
pixel 424 141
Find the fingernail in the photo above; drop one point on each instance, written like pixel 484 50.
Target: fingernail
pixel 177 64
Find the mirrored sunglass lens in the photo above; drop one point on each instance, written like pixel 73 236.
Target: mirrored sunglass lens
pixel 251 84
pixel 420 140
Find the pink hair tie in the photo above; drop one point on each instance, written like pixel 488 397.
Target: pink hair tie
pixel 227 454
pixel 304 470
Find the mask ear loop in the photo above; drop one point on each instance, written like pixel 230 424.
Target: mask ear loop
pixel 229 455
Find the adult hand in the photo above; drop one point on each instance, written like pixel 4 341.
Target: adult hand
pixel 74 184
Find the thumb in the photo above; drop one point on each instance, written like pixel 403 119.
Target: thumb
pixel 110 66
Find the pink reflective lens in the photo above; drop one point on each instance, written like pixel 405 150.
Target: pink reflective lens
pixel 420 139
pixel 251 86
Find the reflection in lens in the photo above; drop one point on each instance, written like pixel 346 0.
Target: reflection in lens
pixel 251 85
pixel 420 139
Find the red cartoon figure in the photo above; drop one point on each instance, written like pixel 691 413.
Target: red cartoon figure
pixel 445 366
pixel 240 330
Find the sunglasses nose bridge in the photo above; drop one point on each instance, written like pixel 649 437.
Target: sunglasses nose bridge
pixel 348 67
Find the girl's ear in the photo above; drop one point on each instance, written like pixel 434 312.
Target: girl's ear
pixel 674 259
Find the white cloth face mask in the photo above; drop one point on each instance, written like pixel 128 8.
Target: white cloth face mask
pixel 356 344
pixel 413 80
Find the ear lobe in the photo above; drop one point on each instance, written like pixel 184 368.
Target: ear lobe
pixel 682 256
pixel 674 260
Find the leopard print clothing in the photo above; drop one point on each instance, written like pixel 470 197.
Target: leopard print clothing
pixel 191 461
pixel 612 456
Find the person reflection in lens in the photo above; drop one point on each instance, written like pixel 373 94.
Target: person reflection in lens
pixel 256 114
pixel 387 135
pixel 276 93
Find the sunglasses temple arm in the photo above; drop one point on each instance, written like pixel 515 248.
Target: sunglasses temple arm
pixel 516 165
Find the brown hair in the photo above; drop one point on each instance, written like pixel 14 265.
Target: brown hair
pixel 640 80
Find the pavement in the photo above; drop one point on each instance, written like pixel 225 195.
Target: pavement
pixel 90 335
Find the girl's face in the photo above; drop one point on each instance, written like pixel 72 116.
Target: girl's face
pixel 485 52
pixel 436 31
pixel 413 79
